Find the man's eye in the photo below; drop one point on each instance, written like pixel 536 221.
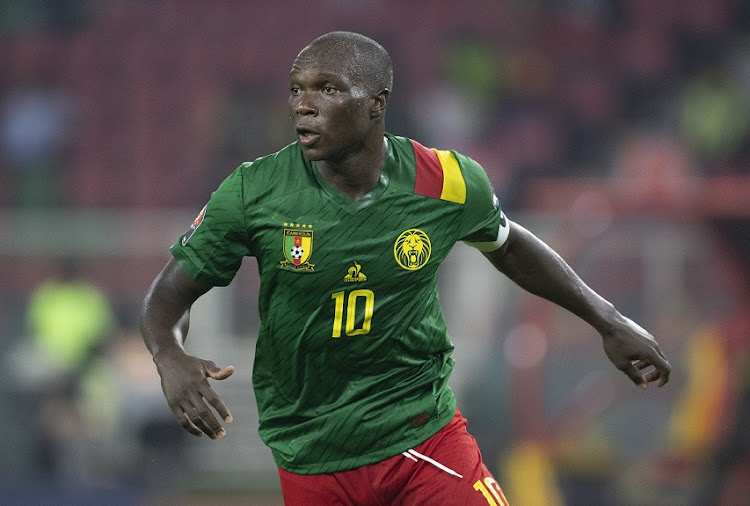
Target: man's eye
pixel 328 89
pixel 294 90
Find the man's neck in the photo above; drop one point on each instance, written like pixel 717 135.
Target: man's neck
pixel 358 174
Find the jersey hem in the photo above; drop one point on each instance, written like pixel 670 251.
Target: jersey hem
pixel 373 458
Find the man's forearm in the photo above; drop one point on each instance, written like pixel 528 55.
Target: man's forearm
pixel 163 325
pixel 538 269
pixel 165 317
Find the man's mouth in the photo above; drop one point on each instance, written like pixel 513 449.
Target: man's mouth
pixel 306 136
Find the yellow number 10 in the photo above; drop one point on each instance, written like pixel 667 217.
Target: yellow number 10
pixel 351 312
pixel 491 491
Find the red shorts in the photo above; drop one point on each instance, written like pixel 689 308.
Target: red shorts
pixel 445 470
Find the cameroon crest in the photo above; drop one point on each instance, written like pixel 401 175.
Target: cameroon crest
pixel 298 245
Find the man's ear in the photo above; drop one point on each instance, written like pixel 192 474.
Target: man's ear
pixel 379 103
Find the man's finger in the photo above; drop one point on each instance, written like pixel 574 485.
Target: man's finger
pixel 664 374
pixel 206 420
pixel 198 421
pixel 184 420
pixel 635 375
pixel 214 400
pixel 653 375
pixel 641 364
pixel 663 367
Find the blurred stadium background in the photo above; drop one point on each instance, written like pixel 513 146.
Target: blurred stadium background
pixel 618 130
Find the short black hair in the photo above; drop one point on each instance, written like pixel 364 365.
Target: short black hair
pixel 371 63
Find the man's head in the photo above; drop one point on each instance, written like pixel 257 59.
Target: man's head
pixel 339 87
pixel 361 57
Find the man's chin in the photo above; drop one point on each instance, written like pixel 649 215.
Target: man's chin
pixel 312 154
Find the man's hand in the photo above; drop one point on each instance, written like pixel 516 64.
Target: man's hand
pixel 184 380
pixel 633 350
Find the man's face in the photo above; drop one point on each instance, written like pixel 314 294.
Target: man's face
pixel 329 106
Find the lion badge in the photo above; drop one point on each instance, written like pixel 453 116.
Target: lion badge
pixel 412 249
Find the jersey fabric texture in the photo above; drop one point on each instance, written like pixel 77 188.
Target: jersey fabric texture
pixel 353 357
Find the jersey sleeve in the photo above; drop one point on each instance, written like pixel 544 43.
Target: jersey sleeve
pixel 212 249
pixel 484 225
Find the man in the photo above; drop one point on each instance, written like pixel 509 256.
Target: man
pixel 349 225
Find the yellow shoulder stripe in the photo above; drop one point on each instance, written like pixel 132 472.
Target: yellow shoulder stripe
pixel 454 186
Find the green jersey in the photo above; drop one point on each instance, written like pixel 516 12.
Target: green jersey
pixel 353 357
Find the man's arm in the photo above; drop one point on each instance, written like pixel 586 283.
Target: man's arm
pixel 535 267
pixel 164 325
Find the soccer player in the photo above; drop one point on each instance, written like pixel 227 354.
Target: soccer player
pixel 349 225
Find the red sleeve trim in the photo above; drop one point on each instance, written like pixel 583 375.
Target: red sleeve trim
pixel 429 177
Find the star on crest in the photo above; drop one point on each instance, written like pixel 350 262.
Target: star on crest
pixel 297 224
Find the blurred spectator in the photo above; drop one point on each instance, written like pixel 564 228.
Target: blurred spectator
pixel 124 434
pixel 725 472
pixel 68 318
pixel 653 171
pixel 35 128
pixel 646 55
pixel 48 15
pixel 74 378
pixel 237 138
pixel 69 321
pixel 455 108
pixel 530 475
pixel 714 118
pixel 591 100
pixel 706 457
pixel 694 428
pixel 703 30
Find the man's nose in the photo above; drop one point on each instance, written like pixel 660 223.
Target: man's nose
pixel 306 106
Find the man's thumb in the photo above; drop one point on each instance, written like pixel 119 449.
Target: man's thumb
pixel 218 374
